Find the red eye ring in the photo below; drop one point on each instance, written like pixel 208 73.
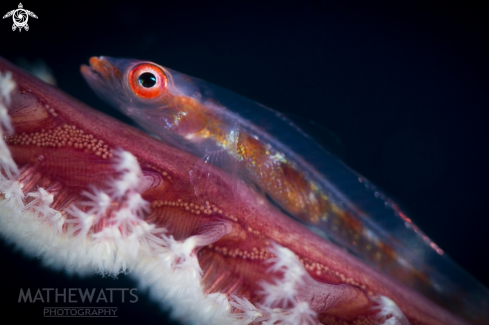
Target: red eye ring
pixel 158 85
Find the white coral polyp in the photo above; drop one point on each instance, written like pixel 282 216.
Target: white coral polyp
pixel 298 314
pixel 12 191
pixel 7 164
pixel 41 203
pixel 281 304
pixel 389 313
pixel 98 202
pixel 249 313
pixel 7 85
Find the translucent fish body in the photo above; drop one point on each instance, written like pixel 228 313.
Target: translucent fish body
pixel 259 145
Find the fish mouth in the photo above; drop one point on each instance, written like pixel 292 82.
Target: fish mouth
pixel 100 70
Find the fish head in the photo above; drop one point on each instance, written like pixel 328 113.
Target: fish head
pixel 128 84
pixel 162 101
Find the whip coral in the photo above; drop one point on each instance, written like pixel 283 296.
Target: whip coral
pixel 89 195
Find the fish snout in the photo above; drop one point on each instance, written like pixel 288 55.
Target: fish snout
pixel 100 68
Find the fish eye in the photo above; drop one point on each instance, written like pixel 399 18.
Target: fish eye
pixel 148 81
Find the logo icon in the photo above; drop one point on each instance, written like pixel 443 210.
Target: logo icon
pixel 20 17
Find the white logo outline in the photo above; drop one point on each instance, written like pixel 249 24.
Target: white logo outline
pixel 20 17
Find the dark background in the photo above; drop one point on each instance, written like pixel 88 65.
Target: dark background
pixel 398 91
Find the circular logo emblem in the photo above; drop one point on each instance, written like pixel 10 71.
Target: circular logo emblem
pixel 20 17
